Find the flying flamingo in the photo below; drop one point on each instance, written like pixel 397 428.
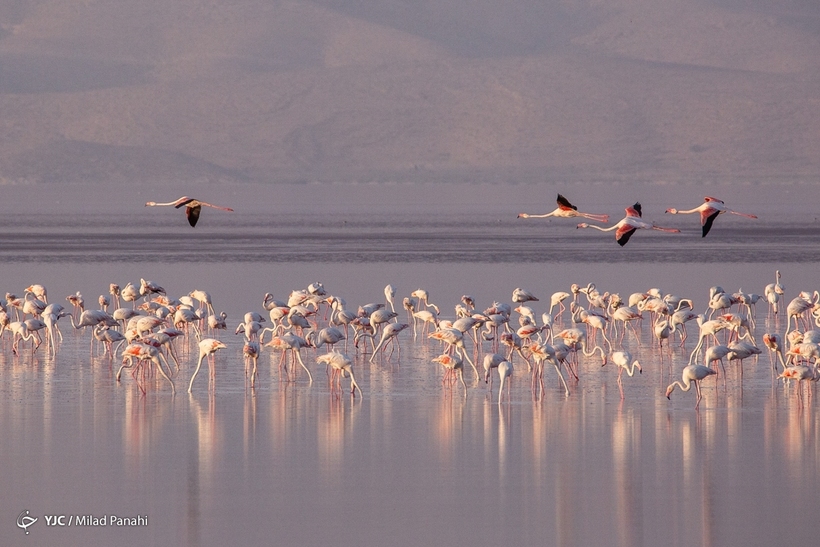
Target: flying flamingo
pixel 691 374
pixel 207 348
pixel 627 225
pixel 567 210
pixel 192 207
pixel 709 210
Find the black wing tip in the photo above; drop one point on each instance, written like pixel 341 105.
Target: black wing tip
pixel 625 238
pixel 565 202
pixel 708 224
pixel 192 213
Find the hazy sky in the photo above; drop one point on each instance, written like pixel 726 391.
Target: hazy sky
pixel 341 91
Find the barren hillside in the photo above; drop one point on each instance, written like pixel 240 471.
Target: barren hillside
pixel 193 90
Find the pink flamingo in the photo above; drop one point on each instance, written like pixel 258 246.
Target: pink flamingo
pixel 567 210
pixel 709 210
pixel 627 225
pixel 691 374
pixel 207 348
pixel 192 207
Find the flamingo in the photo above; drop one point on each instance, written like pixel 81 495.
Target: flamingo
pixel 679 319
pixel 422 296
pixel 491 361
pixel 453 368
pixel 294 344
pixel 716 353
pixel 519 296
pixel 541 353
pixel 149 287
pixel 567 210
pixel 192 207
pixel 691 374
pixel 389 335
pixel 389 294
pixel 623 359
pixel 38 291
pixel 20 331
pixel 144 352
pixel 250 353
pixel 129 293
pixel 78 302
pixel 341 364
pixel 557 299
pixel 627 225
pixel 773 292
pixel 709 210
pixel 218 321
pixel 207 348
pixel 774 342
pixel 801 373
pixel 505 371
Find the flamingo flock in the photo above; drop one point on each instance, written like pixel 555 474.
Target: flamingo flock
pixel 633 221
pixel 147 335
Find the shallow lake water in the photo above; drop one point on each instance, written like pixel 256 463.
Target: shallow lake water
pixel 410 461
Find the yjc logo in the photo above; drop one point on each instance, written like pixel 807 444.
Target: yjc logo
pixel 24 520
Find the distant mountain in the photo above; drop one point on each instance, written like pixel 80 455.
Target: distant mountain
pixel 390 90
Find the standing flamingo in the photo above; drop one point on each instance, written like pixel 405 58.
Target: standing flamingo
pixel 250 353
pixel 192 207
pixel 505 372
pixel 389 294
pixel 709 210
pixel 627 225
pixel 453 369
pixel 567 210
pixel 691 374
pixel 207 348
pixel 341 364
pixel 774 342
pixel 623 359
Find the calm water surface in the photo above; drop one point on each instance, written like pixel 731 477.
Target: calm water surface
pixel 411 462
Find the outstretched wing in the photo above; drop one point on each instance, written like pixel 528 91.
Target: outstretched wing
pixel 563 203
pixel 184 200
pixel 635 210
pixel 707 217
pixel 193 214
pixel 623 234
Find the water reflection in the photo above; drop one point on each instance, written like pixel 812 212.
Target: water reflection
pixel 626 451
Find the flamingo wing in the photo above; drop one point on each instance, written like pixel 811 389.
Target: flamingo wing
pixel 184 200
pixel 635 210
pixel 565 205
pixel 707 217
pixel 193 214
pixel 623 234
